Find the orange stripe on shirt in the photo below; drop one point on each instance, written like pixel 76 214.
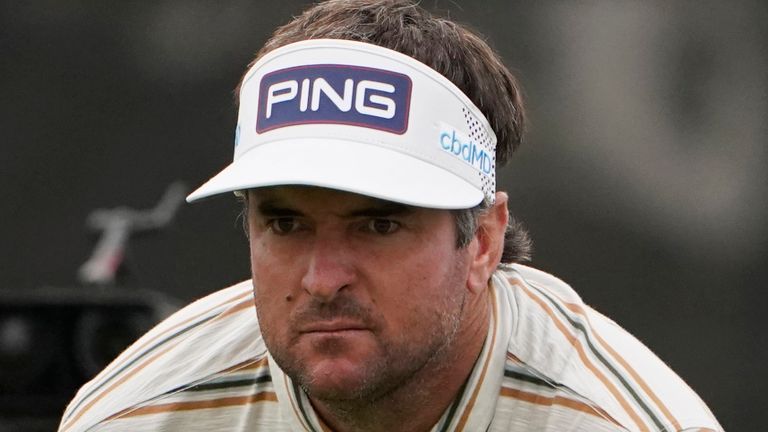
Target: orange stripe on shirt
pixel 632 372
pixel 465 415
pixel 133 352
pixel 197 405
pixel 556 400
pixel 640 381
pixel 115 384
pixel 296 410
pixel 240 306
pixel 133 372
pixel 576 343
pixel 250 364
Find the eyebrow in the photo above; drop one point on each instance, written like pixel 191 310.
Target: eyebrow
pixel 273 208
pixel 382 209
pixel 379 208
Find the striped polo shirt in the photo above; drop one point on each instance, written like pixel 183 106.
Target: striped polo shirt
pixel 549 363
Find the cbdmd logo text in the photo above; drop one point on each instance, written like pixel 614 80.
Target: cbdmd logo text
pixel 335 94
pixel 464 148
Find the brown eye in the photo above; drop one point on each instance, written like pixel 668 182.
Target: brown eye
pixel 382 226
pixel 283 225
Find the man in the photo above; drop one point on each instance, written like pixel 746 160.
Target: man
pixel 385 292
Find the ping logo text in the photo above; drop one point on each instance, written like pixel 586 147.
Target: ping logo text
pixel 334 94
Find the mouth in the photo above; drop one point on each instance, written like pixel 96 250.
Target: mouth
pixel 333 327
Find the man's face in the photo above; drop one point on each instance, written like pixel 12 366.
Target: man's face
pixel 355 296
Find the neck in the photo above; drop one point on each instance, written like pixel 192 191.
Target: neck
pixel 419 403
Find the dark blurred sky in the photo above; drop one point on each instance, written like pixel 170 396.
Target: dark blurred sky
pixel 643 180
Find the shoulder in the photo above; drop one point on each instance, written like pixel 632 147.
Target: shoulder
pixel 560 340
pixel 217 333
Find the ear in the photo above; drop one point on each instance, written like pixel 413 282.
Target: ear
pixel 489 243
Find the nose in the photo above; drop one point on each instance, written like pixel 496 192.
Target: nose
pixel 330 269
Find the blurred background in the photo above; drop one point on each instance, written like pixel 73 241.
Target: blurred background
pixel 643 180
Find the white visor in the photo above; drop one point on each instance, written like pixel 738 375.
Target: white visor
pixel 359 118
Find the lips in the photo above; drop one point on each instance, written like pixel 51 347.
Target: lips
pixel 334 326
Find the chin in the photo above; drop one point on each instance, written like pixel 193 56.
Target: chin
pixel 347 391
pixel 339 380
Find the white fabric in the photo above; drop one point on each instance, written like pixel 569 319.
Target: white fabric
pixel 437 150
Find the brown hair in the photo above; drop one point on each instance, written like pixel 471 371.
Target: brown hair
pixel 451 49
